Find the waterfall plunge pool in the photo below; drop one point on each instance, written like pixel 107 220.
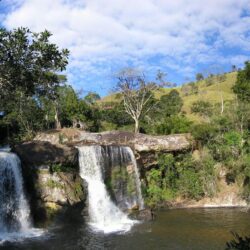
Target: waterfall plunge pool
pixel 180 229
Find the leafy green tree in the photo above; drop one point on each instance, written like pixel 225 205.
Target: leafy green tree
pixel 199 77
pixel 29 68
pixel 242 85
pixel 92 97
pixel 29 62
pixel 170 104
pixel 114 113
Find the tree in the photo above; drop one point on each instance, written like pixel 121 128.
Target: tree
pixel 161 78
pixel 199 77
pixel 242 91
pixel 29 67
pixel 170 104
pixel 137 94
pixel 92 97
pixel 242 85
pixel 29 62
pixel 114 113
pixel 71 108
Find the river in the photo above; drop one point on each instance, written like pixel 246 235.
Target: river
pixel 180 229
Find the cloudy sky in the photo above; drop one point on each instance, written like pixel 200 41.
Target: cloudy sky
pixel 179 37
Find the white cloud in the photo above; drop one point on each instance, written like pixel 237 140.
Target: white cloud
pixel 103 35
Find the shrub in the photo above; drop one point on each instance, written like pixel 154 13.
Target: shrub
pixel 173 124
pixel 190 185
pixel 203 133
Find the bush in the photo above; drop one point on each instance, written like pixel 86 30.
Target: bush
pixel 203 133
pixel 190 185
pixel 202 108
pixel 161 181
pixel 173 125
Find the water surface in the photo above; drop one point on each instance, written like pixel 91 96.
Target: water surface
pixel 196 229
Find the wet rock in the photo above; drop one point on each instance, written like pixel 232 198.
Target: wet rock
pixel 49 193
pixel 146 215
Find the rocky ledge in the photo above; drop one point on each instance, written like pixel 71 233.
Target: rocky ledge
pixel 139 142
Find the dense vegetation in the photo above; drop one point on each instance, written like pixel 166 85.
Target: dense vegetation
pixel 35 96
pixel 223 143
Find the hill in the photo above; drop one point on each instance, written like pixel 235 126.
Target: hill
pixel 210 89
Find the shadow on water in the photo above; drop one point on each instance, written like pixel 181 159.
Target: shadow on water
pixel 194 229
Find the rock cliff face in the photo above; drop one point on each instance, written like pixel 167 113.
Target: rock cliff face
pixel 51 177
pixel 51 192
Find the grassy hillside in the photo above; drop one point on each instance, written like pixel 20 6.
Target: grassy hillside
pixel 206 92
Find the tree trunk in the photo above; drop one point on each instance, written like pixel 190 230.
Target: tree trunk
pixel 57 121
pixel 222 103
pixel 136 126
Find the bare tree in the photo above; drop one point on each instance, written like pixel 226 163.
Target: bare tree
pixel 137 94
pixel 219 77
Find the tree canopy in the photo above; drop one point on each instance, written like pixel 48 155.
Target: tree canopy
pixel 29 62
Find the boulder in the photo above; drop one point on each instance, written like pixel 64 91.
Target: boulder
pixel 144 215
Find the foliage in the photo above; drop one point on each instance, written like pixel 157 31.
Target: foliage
pixel 92 97
pixel 170 104
pixel 203 133
pixel 53 184
pixel 242 85
pixel 199 77
pixel 238 243
pixel 28 71
pixel 172 125
pixel 29 62
pixel 58 167
pixel 180 176
pixel 115 116
pixel 202 108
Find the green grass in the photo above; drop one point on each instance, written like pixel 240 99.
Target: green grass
pixel 207 93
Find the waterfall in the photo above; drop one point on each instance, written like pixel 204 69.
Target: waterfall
pixel 14 209
pixel 103 213
pixel 137 176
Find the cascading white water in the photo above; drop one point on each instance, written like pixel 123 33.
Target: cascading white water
pixel 104 214
pixel 14 209
pixel 137 176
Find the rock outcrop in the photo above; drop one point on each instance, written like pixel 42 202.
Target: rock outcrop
pixel 36 153
pixel 51 177
pixel 51 192
pixel 139 142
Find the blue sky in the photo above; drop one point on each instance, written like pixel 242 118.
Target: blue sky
pixel 180 37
